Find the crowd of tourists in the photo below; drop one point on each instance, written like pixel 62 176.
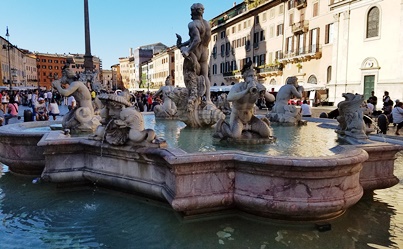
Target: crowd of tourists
pixel 44 104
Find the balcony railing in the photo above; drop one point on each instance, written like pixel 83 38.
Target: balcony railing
pixel 300 27
pixel 232 74
pixel 313 51
pixel 300 4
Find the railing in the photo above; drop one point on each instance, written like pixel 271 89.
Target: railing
pixel 311 51
pixel 232 73
pixel 300 4
pixel 270 69
pixel 300 27
pixel 227 16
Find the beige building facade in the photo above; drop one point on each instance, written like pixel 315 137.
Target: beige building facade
pixel 324 43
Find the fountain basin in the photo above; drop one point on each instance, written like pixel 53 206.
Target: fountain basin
pixel 195 183
pixel 18 146
pixel 277 186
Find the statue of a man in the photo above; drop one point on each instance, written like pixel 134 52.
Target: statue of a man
pixel 82 116
pixel 243 97
pixel 197 46
pixel 286 92
pixel 168 105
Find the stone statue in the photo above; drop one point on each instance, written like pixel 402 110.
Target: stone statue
pixel 351 122
pixel 168 108
pixel 223 104
pixel 196 48
pixel 282 112
pixel 243 124
pixel 197 112
pixel 81 118
pixel 122 123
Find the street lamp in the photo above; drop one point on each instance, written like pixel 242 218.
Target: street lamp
pixel 8 54
pixel 8 47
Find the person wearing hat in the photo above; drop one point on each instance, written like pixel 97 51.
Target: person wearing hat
pixel 41 110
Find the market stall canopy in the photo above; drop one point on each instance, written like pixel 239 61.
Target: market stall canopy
pixel 313 87
pixel 220 88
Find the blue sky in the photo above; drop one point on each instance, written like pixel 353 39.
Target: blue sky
pixel 57 26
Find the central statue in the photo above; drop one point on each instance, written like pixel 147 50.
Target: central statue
pixel 194 104
pixel 243 125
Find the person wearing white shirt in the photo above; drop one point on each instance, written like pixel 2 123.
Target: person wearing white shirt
pixel 71 102
pixel 397 115
pixel 306 109
pixel 53 109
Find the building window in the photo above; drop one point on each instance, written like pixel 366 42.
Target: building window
pixel 314 40
pixel 301 43
pixel 329 74
pixel 222 34
pixel 280 29
pixel 315 10
pixel 272 13
pixel 329 33
pixel 264 16
pixel 262 36
pixel 281 9
pixel 312 79
pixel 291 19
pixel 290 44
pixel 50 61
pixel 373 22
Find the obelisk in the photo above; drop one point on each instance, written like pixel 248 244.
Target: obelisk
pixel 88 63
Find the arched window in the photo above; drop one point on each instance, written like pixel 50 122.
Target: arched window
pixel 272 82
pixel 373 22
pixel 312 79
pixel 329 74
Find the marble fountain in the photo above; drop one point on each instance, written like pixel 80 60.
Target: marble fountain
pixel 114 146
pixel 122 153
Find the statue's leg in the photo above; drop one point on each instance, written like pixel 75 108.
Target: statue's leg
pixel 261 127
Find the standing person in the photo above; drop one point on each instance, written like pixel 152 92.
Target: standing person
pixel 34 101
pixel 12 111
pixel 149 102
pixel 306 109
pixel 197 46
pixel 17 97
pixel 71 103
pixel 373 99
pixel 29 97
pixel 49 95
pixel 5 99
pixel 387 105
pixel 41 110
pixel 397 114
pixel 53 109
